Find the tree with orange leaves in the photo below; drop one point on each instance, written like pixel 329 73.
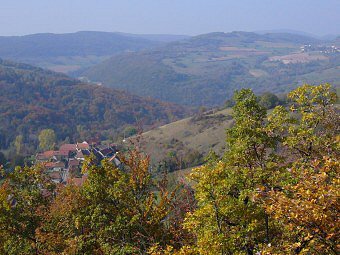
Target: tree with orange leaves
pixel 308 210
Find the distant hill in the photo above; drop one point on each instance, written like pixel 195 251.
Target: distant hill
pixel 33 99
pixel 206 69
pixel 73 51
pixel 166 38
pixel 291 31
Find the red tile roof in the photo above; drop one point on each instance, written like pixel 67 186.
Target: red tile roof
pixel 50 154
pixel 68 147
pixel 54 164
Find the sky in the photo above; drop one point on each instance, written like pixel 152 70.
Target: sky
pixel 189 17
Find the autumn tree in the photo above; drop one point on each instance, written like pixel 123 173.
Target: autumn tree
pixel 274 191
pixel 248 201
pixel 307 206
pixel 116 211
pixel 308 210
pixel 315 129
pixel 25 196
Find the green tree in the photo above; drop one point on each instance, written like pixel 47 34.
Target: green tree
pixel 269 100
pixel 228 220
pixel 130 131
pixel 47 139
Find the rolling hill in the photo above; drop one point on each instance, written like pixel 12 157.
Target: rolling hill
pixel 206 69
pixel 73 51
pixel 33 99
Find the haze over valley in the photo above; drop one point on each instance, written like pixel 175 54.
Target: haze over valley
pixel 201 70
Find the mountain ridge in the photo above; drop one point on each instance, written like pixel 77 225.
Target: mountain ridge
pixel 72 51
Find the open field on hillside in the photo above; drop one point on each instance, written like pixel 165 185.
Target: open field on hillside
pixel 201 133
pixel 298 58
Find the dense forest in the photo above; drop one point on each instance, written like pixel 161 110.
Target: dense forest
pixel 274 191
pixel 33 99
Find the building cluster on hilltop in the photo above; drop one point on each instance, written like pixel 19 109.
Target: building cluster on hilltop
pixel 64 165
pixel 321 49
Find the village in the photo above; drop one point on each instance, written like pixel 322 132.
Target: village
pixel 64 166
pixel 319 48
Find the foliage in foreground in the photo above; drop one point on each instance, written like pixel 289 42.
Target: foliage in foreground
pixel 116 211
pixel 275 191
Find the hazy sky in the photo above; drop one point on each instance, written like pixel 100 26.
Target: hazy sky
pixel 18 17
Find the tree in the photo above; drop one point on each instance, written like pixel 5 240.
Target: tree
pixel 130 131
pixel 279 174
pixel 269 100
pixel 116 211
pixel 308 210
pixel 47 139
pixel 307 205
pixel 274 191
pixel 25 196
pixel 227 219
pixel 18 143
pixel 315 124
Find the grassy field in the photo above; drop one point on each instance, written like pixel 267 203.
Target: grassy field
pixel 200 133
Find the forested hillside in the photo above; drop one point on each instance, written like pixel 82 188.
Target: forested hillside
pixel 206 69
pixel 73 51
pixel 275 190
pixel 33 99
